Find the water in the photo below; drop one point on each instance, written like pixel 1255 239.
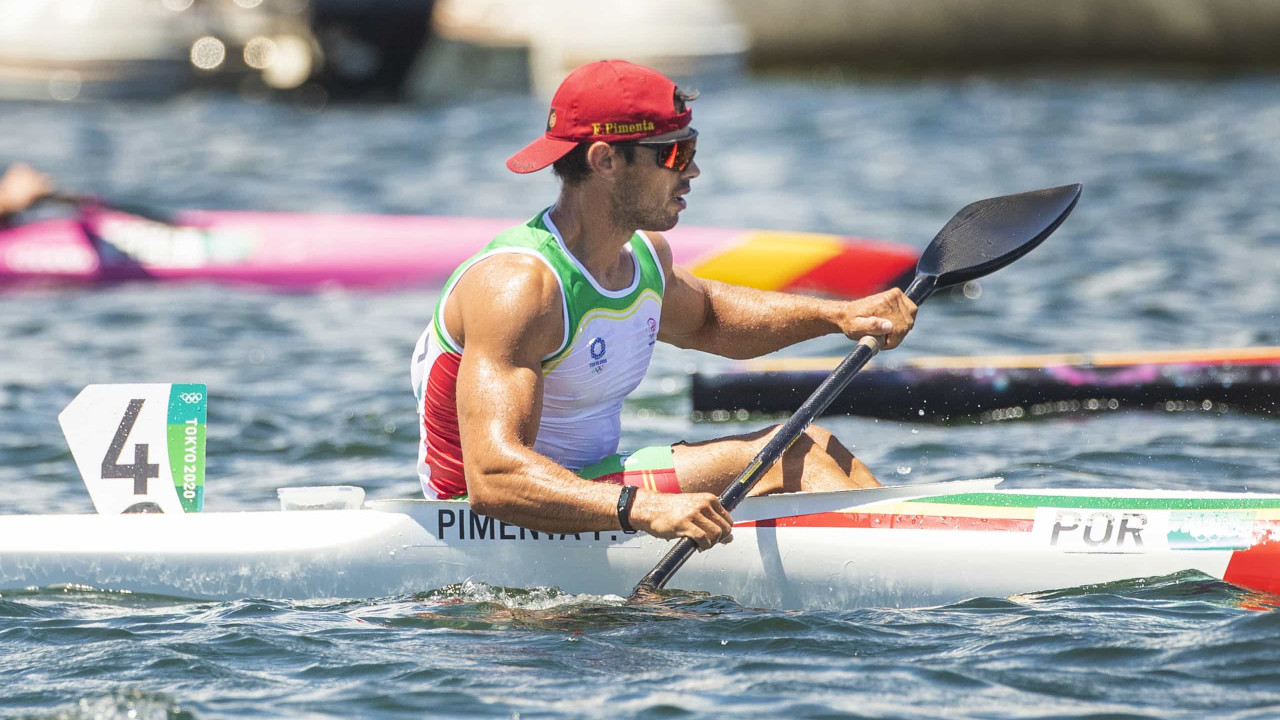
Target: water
pixel 1175 244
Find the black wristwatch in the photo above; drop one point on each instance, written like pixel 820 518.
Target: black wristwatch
pixel 625 501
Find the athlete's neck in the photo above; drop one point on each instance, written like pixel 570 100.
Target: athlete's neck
pixel 588 233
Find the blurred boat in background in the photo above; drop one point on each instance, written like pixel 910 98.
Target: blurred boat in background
pixel 437 50
pixel 963 34
pixel 521 46
pixel 109 49
pixel 1005 387
pixel 301 251
pixel 370 47
pixel 95 49
pixel 514 45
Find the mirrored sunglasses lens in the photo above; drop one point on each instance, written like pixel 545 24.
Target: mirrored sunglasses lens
pixel 683 154
pixel 668 156
pixel 677 155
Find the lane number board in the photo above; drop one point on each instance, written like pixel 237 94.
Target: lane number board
pixel 140 447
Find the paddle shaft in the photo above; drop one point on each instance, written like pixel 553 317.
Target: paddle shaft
pixel 790 431
pixel 129 208
pixel 983 237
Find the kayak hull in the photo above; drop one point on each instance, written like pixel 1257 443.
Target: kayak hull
pixel 945 389
pixel 889 547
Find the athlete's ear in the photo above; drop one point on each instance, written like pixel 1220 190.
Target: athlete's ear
pixel 604 158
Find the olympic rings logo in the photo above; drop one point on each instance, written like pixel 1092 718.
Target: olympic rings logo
pixel 191 398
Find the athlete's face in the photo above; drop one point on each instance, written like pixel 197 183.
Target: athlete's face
pixel 648 196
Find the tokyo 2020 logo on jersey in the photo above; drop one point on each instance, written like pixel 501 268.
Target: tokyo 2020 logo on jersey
pixel 597 350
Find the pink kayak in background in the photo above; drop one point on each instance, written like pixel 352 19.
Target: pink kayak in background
pixel 296 251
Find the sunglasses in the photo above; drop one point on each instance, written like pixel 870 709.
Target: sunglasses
pixel 674 155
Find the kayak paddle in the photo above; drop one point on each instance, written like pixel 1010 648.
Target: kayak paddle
pixel 110 254
pixel 145 212
pixel 982 238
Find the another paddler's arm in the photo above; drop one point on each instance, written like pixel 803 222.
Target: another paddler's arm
pixel 741 322
pixel 507 312
pixel 20 187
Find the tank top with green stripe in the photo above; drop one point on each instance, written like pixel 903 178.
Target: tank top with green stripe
pixel 602 357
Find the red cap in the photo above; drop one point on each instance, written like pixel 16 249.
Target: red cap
pixel 610 100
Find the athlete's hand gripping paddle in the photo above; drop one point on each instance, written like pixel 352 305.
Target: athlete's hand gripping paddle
pixel 982 238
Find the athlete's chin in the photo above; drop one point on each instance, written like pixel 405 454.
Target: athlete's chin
pixel 662 222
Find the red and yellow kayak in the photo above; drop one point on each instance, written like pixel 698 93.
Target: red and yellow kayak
pixel 299 251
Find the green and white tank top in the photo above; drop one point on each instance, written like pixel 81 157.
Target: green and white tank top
pixel 604 354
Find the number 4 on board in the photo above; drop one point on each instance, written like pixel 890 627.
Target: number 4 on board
pixel 140 470
pixel 165 424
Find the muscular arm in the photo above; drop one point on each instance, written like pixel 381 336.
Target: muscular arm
pixel 506 311
pixel 741 322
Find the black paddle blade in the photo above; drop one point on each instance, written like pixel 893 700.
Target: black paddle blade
pixel 989 234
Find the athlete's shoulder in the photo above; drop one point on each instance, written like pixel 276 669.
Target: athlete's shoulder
pixel 531 234
pixel 661 248
pixel 514 275
pixel 507 300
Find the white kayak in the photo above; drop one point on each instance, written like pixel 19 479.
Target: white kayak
pixel 906 546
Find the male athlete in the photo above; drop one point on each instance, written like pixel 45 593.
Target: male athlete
pixel 537 340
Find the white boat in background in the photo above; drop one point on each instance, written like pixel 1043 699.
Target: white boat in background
pixel 89 49
pixel 520 46
pixel 903 546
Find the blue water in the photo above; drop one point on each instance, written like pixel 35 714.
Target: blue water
pixel 1175 244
